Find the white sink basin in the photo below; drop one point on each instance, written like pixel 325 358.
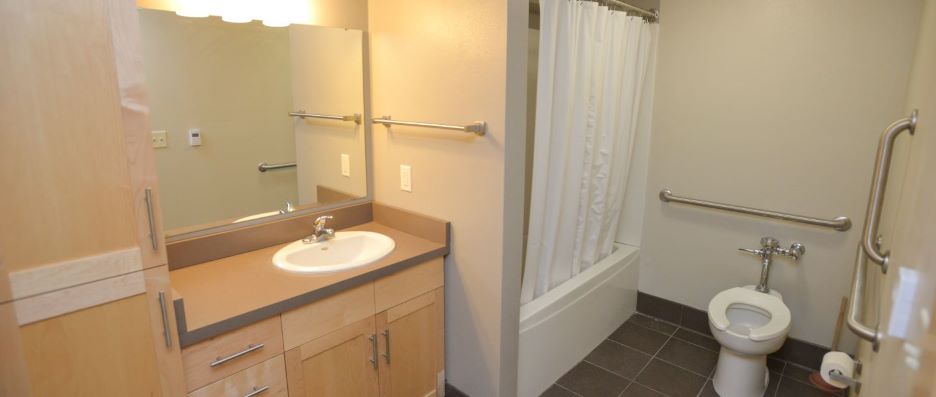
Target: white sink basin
pixel 347 250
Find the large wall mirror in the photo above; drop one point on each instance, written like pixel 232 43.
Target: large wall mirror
pixel 230 150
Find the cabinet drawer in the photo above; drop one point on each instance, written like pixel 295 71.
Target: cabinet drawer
pixel 267 379
pixel 407 284
pixel 326 315
pixel 226 354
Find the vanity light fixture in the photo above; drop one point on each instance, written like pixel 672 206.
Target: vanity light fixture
pixel 193 8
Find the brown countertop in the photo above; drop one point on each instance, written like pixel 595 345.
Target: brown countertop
pixel 225 294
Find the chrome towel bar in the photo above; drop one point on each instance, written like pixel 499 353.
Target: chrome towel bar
pixel 856 301
pixel 264 167
pixel 879 185
pixel 356 118
pixel 841 223
pixel 478 127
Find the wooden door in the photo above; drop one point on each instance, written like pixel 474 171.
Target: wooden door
pixel 411 347
pixel 339 364
pixel 78 241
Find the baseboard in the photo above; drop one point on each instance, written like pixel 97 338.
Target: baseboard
pixel 793 350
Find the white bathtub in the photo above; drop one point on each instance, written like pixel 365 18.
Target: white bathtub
pixel 559 328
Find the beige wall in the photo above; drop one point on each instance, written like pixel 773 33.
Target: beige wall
pixel 774 105
pixel 327 78
pixel 231 81
pixel 456 62
pixel 909 238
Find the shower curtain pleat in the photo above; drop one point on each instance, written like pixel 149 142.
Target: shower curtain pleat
pixel 592 66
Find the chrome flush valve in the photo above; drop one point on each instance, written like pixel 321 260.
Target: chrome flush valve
pixel 769 247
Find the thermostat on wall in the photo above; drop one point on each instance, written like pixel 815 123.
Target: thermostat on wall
pixel 194 137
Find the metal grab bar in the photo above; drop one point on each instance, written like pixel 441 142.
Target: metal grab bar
pixel 264 167
pixel 841 223
pixel 865 332
pixel 879 185
pixel 478 127
pixel 356 118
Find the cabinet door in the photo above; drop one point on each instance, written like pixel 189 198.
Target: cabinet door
pixel 412 348
pixel 340 364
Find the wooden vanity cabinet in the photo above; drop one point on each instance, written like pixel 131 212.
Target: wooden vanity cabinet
pixel 396 352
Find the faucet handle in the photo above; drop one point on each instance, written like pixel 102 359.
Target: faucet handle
pixel 750 251
pixel 769 242
pixel 796 251
pixel 320 221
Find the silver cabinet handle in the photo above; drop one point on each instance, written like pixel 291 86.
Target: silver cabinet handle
pixel 865 332
pixel 879 184
pixel 256 391
pixel 386 354
pixel 373 359
pixel 221 360
pixel 148 197
pixel 165 318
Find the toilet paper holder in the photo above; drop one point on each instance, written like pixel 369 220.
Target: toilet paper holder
pixel 855 384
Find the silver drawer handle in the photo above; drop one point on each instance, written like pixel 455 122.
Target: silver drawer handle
pixel 878 186
pixel 150 217
pixel 222 360
pixel 386 354
pixel 257 391
pixel 856 302
pixel 373 359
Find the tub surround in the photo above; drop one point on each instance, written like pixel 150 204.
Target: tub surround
pixel 225 294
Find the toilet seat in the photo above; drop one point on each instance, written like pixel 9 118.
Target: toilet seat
pixel 777 325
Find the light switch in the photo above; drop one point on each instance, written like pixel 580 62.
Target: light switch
pixel 160 140
pixel 345 165
pixel 406 178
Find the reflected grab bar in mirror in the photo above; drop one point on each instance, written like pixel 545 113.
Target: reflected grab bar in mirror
pixel 879 184
pixel 356 118
pixel 865 332
pixel 264 167
pixel 841 223
pixel 478 127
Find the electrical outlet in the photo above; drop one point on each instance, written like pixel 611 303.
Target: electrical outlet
pixel 406 178
pixel 345 165
pixel 160 140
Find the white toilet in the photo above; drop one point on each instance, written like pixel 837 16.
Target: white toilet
pixel 749 325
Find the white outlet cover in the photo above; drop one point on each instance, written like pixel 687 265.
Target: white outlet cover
pixel 406 178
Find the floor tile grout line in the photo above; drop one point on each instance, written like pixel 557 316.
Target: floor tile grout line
pixel 567 389
pixel 607 370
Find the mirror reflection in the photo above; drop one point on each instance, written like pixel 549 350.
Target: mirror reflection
pixel 250 121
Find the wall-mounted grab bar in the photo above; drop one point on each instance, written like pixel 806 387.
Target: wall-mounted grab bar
pixel 356 118
pixel 878 186
pixel 478 127
pixel 841 223
pixel 865 332
pixel 264 167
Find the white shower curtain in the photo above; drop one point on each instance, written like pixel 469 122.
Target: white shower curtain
pixel 591 77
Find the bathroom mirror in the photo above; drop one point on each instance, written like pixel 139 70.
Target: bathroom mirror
pixel 230 150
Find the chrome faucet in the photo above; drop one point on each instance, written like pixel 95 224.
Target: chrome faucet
pixel 769 247
pixel 289 208
pixel 321 232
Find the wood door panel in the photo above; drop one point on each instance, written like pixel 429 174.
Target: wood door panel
pixel 410 346
pixel 105 350
pixel 335 365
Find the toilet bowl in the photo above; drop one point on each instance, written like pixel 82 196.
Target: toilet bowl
pixel 749 325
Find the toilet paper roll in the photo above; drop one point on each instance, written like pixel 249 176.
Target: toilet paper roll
pixel 837 361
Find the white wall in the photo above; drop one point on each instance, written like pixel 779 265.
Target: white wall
pixel 775 105
pixel 457 62
pixel 232 82
pixel 328 78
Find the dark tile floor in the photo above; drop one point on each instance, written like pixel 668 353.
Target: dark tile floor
pixel 650 357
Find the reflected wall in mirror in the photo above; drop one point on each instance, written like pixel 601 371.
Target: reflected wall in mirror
pixel 220 95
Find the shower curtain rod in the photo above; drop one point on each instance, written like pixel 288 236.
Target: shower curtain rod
pixel 652 15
